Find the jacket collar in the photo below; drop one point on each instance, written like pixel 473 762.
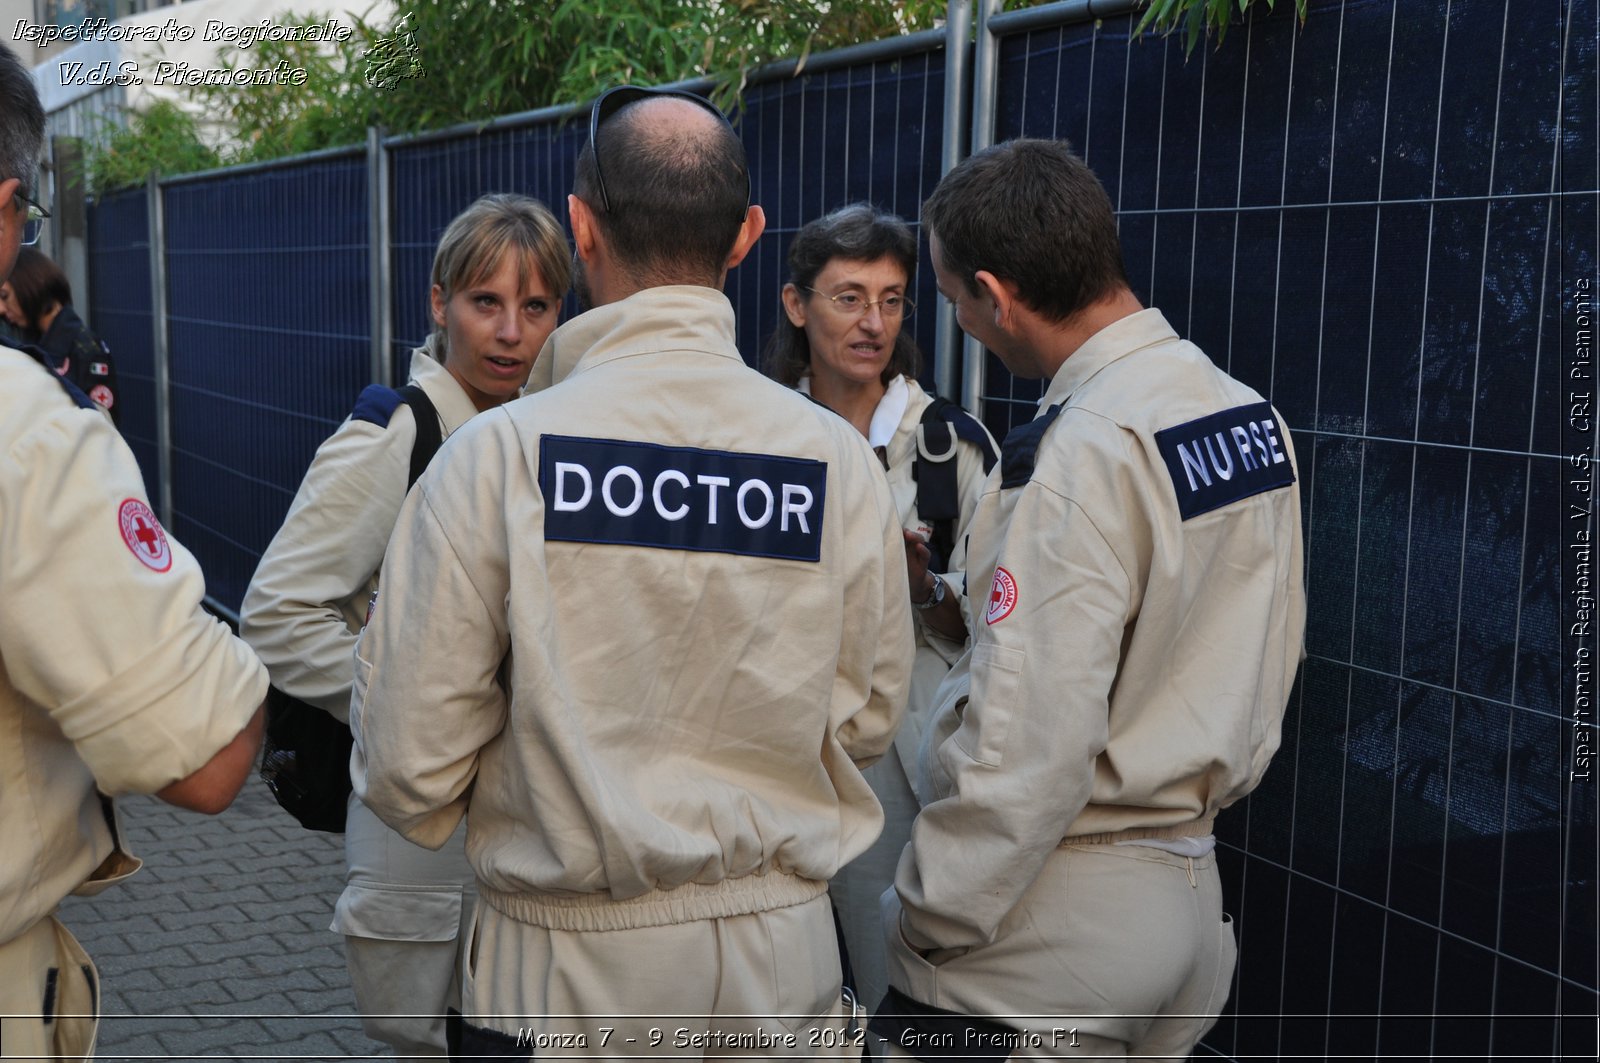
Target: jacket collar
pixel 429 374
pixel 57 339
pixel 678 317
pixel 1116 341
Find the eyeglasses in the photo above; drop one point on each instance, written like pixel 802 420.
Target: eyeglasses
pixel 34 224
pixel 611 101
pixel 851 304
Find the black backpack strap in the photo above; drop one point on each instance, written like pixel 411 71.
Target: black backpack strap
pixel 934 469
pixel 429 434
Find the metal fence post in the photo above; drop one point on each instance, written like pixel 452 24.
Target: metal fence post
pixel 380 281
pixel 69 231
pixel 985 74
pixel 156 212
pixel 957 16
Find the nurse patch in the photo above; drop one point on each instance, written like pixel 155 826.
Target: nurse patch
pixel 1225 457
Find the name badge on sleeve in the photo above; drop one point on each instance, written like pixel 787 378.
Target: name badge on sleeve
pixel 1225 457
pixel 681 498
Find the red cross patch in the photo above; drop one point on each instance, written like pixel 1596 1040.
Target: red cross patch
pixel 102 395
pixel 1002 597
pixel 143 535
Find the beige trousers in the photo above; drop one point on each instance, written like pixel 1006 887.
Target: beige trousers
pixel 858 888
pixel 1115 952
pixel 759 985
pixel 403 912
pixel 49 995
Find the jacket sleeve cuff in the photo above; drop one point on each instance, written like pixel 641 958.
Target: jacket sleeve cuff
pixel 168 715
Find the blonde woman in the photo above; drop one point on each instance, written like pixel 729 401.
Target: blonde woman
pixel 499 275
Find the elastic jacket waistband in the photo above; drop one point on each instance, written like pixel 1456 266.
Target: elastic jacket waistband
pixel 1198 828
pixel 688 903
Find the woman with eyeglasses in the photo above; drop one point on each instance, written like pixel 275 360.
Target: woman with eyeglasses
pixel 847 300
pixel 499 275
pixel 36 301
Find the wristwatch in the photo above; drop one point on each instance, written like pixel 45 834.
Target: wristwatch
pixel 935 596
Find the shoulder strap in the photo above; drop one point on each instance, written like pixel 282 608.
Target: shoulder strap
pixel 938 492
pixel 965 426
pixel 377 404
pixel 75 393
pixel 1021 447
pixel 43 357
pixel 428 431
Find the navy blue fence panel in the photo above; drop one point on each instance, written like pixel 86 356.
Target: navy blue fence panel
pixel 435 180
pixel 1363 219
pixel 870 131
pixel 866 132
pixel 268 325
pixel 1387 221
pixel 118 310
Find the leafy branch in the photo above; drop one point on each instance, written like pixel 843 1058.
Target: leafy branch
pixel 469 61
pixel 1200 16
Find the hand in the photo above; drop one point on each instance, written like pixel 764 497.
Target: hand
pixel 917 558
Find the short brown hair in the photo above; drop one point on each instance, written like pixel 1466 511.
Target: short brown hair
pixel 1033 213
pixel 21 122
pixel 678 201
pixel 38 284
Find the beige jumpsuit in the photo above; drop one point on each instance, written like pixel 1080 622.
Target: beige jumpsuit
pixel 113 680
pixel 1134 573
pixel 642 628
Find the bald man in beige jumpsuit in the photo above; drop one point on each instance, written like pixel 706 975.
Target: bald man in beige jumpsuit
pixel 643 628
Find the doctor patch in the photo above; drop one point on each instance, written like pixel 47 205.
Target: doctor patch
pixel 1228 456
pixel 681 498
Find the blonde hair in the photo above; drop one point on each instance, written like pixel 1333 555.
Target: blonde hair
pixel 479 239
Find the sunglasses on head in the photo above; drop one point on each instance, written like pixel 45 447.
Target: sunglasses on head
pixel 611 101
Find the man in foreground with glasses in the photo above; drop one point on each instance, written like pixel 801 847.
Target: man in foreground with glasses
pixel 676 624
pixel 35 215
pixel 167 700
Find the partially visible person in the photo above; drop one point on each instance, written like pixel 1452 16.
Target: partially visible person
pixel 640 628
pixel 113 679
pixel 1135 578
pixel 36 301
pixel 844 343
pixel 499 275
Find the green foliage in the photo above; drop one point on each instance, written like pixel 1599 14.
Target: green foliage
pixel 1199 16
pixel 480 60
pixel 436 63
pixel 273 121
pixel 161 139
pixel 468 60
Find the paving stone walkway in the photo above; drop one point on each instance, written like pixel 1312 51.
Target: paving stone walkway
pixel 219 949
